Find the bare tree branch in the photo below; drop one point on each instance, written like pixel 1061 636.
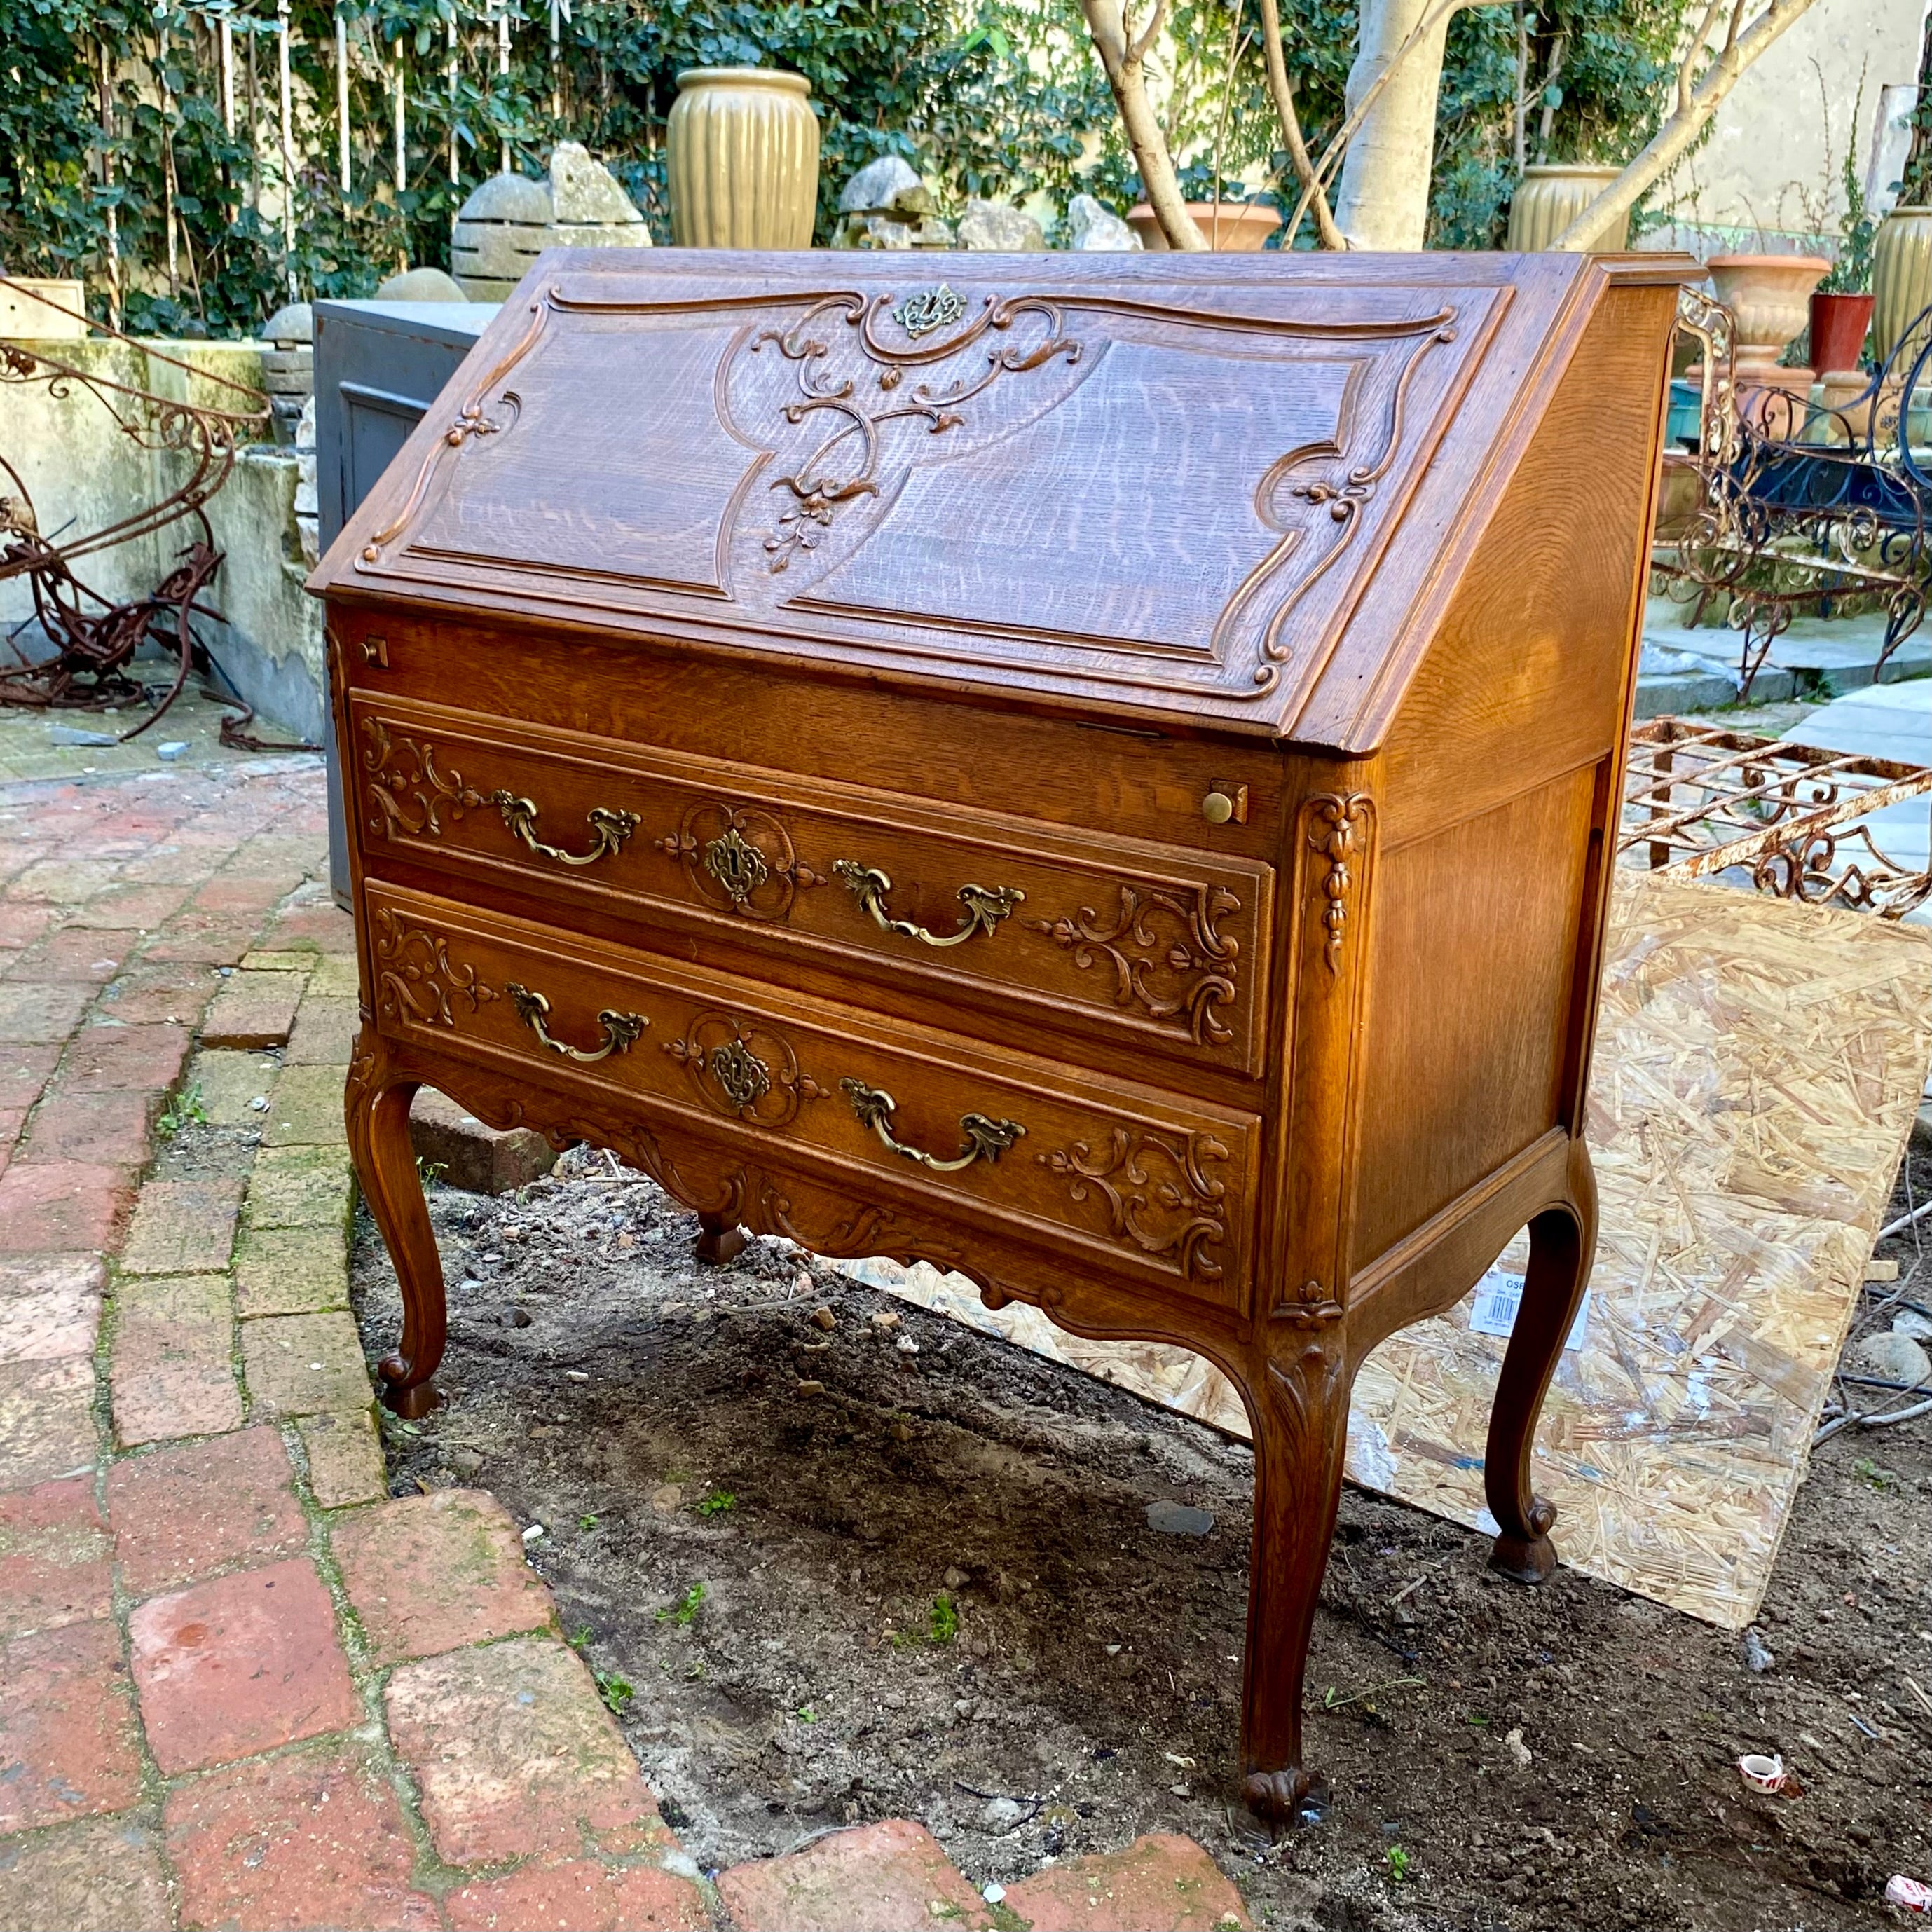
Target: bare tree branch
pixel 1694 109
pixel 1124 56
pixel 1291 127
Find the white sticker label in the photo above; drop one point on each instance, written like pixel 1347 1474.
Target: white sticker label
pixel 1498 1296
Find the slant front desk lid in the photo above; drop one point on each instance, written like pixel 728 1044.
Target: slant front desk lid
pixel 1232 488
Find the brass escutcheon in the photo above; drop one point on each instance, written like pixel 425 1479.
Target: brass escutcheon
pixel 741 1075
pixel 737 865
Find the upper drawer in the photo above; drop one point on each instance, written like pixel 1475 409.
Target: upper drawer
pixel 1119 937
pixel 1156 1189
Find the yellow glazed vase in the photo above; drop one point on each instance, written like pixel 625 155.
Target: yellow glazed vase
pixel 1901 276
pixel 743 153
pixel 1547 200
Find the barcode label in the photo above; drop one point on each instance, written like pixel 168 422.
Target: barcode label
pixel 1498 1296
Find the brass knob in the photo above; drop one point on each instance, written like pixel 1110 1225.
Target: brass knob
pixel 1217 808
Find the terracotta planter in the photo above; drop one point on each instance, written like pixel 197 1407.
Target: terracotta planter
pixel 742 150
pixel 1901 276
pixel 1239 227
pixel 1838 326
pixel 1770 296
pixel 1547 200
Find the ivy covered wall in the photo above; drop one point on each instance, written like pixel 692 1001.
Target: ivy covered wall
pixel 117 161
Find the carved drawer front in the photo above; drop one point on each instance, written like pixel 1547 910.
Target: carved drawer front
pixel 1159 1188
pixel 1165 946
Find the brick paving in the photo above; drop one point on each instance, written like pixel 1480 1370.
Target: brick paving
pixel 240 1684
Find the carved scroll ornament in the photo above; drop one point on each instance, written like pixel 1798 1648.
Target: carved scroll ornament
pixel 1155 1192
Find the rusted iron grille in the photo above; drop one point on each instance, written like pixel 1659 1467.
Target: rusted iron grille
pixel 1699 801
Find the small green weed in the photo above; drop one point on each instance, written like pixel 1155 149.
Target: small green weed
pixel 717 1503
pixel 580 1638
pixel 184 1107
pixel 684 1613
pixel 616 1691
pixel 430 1171
pixel 586 1521
pixel 807 1715
pixel 1878 1478
pixel 942 1625
pixel 1397 1857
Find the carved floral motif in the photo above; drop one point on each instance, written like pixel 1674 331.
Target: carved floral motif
pixel 1339 822
pixel 1168 955
pixel 854 382
pixel 743 1069
pixel 1155 1191
pixel 740 859
pixel 416 978
pixel 406 786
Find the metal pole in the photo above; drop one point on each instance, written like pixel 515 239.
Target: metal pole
pixel 342 101
pixel 503 68
pixel 288 144
pixel 453 174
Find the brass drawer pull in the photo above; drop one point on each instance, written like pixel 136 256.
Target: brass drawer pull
pixel 986 1139
pixel 621 1030
pixel 612 828
pixel 985 905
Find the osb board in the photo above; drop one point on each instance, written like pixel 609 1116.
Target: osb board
pixel 1758 1065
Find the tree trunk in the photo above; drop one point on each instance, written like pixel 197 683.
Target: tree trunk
pixel 1383 202
pixel 1123 54
pixel 1695 104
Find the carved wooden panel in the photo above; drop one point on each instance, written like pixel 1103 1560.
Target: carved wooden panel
pixel 1147 498
pixel 1163 945
pixel 1155 1187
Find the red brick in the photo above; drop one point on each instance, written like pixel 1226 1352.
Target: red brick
pixel 182 1227
pixel 49 1308
pixel 184 1512
pixel 254 1010
pixel 102 1875
pixel 55 1558
pixel 471 1154
pixel 65 1206
pixel 1163 1883
pixel 583 1894
pixel 324 1034
pixel 125 906
pixel 235 889
pixel 887 1877
pixel 32 1014
pixel 66 1727
pixel 173 1368
pixel 304 1364
pixel 23 921
pixel 322 928
pixel 62 878
pixel 177 993
pixel 202 939
pixel 72 955
pixel 514 1754
pixel 428 1573
pixel 109 1130
pixel 24 1070
pixel 47 1419
pixel 110 1054
pixel 240 1665
pixel 314 1837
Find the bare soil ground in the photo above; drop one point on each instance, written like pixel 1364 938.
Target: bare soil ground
pixel 834 1567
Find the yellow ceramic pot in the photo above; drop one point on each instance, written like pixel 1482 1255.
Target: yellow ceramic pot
pixel 743 153
pixel 1901 276
pixel 1547 200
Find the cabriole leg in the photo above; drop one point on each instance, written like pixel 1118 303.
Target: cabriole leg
pixel 718 1239
pixel 1301 1419
pixel 1562 1243
pixel 376 1105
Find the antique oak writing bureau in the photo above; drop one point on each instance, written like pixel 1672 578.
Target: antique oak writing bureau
pixel 1093 771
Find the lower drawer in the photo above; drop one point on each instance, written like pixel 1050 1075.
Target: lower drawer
pixel 1153 1187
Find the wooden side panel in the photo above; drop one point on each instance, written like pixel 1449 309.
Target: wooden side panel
pixel 1526 677
pixel 1474 943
